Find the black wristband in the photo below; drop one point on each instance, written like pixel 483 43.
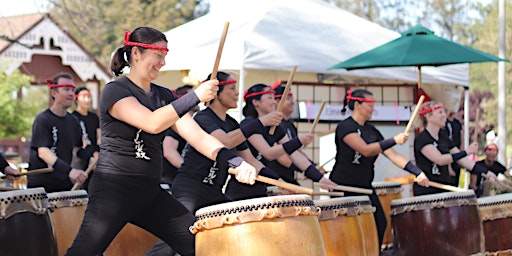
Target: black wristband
pixel 61 167
pixel 410 167
pixel 459 155
pixel 386 144
pixel 3 164
pixel 251 127
pixel 292 145
pixel 313 173
pixel 84 153
pixel 479 169
pixel 185 103
pixel 267 172
pixel 228 156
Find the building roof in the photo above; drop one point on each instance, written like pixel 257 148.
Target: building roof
pixel 12 28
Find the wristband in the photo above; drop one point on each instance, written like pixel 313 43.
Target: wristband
pixel 479 169
pixel 410 167
pixel 84 153
pixel 61 166
pixel 228 156
pixel 459 155
pixel 3 163
pixel 267 172
pixel 292 145
pixel 185 103
pixel 251 127
pixel 386 144
pixel 313 173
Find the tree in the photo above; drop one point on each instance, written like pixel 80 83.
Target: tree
pixel 99 25
pixel 17 115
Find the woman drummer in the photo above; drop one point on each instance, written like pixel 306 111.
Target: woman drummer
pixel 434 151
pixel 134 116
pixel 259 101
pixel 200 180
pixel 358 144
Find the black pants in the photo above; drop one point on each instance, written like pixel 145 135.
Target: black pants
pixel 115 200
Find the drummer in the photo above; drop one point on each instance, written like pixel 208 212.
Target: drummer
pixel 7 170
pixel 434 151
pixel 358 144
pixel 489 162
pixel 259 101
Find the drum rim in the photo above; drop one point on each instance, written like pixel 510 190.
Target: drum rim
pixel 386 184
pixel 495 200
pixel 446 196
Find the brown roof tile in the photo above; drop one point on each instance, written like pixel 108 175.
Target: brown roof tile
pixel 15 26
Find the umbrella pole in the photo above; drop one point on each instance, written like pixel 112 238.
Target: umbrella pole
pixel 419 77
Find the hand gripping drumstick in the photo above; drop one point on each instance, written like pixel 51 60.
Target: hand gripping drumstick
pixel 91 166
pixel 445 187
pixel 35 171
pixel 351 189
pixel 219 54
pixel 285 93
pixel 414 114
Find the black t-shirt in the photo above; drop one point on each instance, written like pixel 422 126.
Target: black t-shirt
pixel 169 171
pixel 198 166
pixel 60 135
pixel 125 149
pixel 496 168
pixel 89 124
pixel 351 168
pixel 454 130
pixel 286 173
pixel 238 191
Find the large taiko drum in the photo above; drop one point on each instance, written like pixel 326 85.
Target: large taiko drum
pixel 496 215
pixel 67 212
pixel 439 224
pixel 25 225
pixel 369 226
pixel 342 229
pixel 275 225
pixel 387 192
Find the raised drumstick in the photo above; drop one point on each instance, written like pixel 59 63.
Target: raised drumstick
pixel 414 114
pixel 219 54
pixel 285 93
pixel 317 117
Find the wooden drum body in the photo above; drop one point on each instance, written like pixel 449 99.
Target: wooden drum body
pixel 342 226
pixel 496 215
pixel 25 225
pixel 439 224
pixel 387 192
pixel 68 209
pixel 368 223
pixel 275 225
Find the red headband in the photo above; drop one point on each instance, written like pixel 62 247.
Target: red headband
pixel 230 81
pixel 491 146
pixel 59 85
pixel 349 98
pixel 82 93
pixel 425 111
pixel 127 42
pixel 276 84
pixel 246 96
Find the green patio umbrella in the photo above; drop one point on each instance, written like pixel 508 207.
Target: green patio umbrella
pixel 418 47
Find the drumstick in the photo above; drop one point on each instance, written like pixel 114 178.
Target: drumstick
pixel 91 166
pixel 280 184
pixel 475 135
pixel 36 171
pixel 317 117
pixel 219 54
pixel 326 132
pixel 285 94
pixel 3 188
pixel 315 193
pixel 445 187
pixel 414 114
pixel 352 189
pixel 500 183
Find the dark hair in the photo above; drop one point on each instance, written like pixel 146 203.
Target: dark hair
pixel 221 76
pixel 279 91
pixel 249 109
pixel 145 35
pixel 182 90
pixel 58 76
pixel 359 93
pixel 80 89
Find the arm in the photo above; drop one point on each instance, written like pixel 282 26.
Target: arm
pixel 62 168
pixel 404 163
pixel 7 169
pixel 170 150
pixel 355 141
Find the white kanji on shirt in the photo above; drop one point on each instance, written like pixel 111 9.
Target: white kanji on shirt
pixel 55 136
pixel 357 155
pixel 435 168
pixel 139 147
pixel 212 174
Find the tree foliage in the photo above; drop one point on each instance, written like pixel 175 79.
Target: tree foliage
pixel 16 115
pixel 99 25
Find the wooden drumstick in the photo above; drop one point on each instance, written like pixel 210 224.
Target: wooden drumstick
pixel 91 166
pixel 315 193
pixel 445 187
pixel 317 117
pixel 414 114
pixel 281 184
pixel 326 132
pixel 35 171
pixel 285 93
pixel 352 189
pixel 219 54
